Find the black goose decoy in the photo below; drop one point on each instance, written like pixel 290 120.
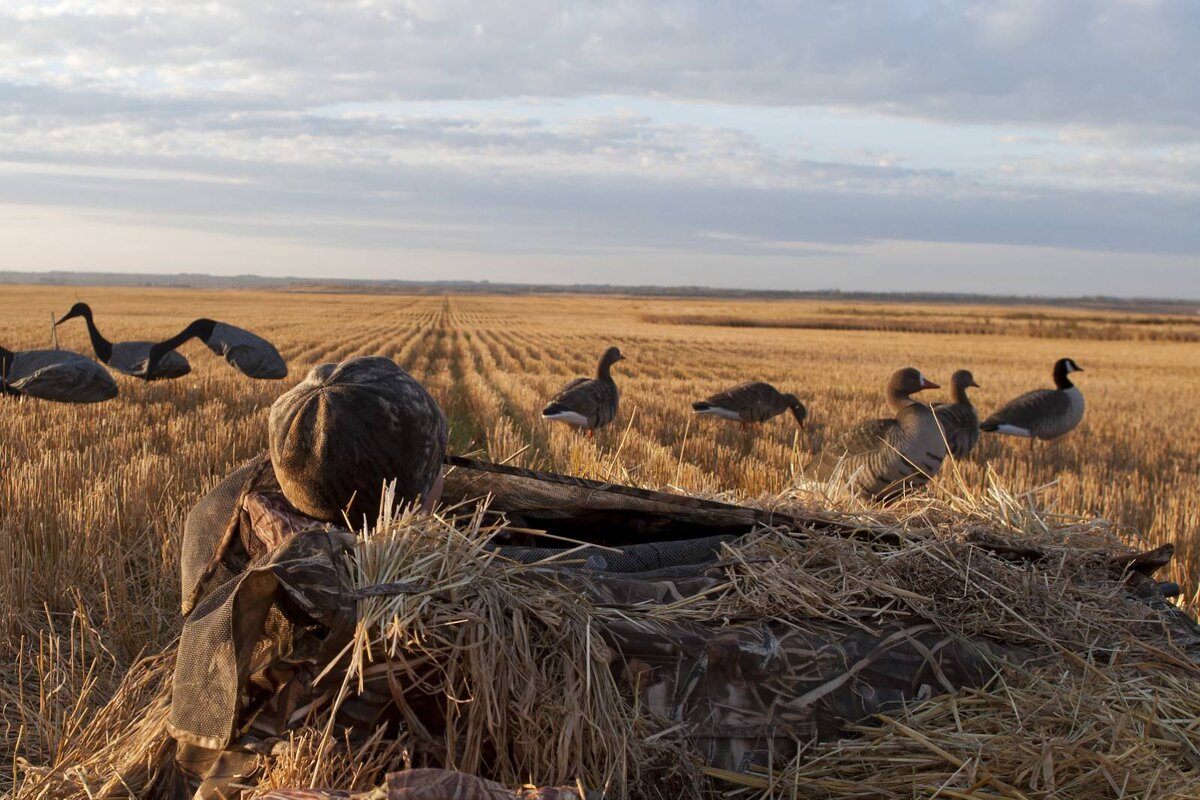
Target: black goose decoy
pixel 884 458
pixel 588 403
pixel 128 358
pixel 959 421
pixel 57 375
pixel 1042 413
pixel 247 352
pixel 749 403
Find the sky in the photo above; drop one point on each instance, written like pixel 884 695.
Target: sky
pixel 994 146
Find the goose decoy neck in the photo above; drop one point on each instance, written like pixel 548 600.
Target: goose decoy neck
pixel 1062 368
pixel 959 383
pixel 199 329
pixel 611 356
pixel 904 383
pixel 102 346
pixel 6 359
pixel 798 409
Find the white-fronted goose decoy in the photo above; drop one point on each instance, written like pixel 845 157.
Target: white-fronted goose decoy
pixel 1042 413
pixel 959 421
pixel 751 403
pixel 883 458
pixel 128 358
pixel 247 352
pixel 588 403
pixel 58 375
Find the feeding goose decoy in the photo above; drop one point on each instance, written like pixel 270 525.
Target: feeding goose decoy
pixel 249 353
pixel 1042 413
pixel 749 403
pixel 883 458
pixel 588 403
pixel 128 358
pixel 959 421
pixel 57 375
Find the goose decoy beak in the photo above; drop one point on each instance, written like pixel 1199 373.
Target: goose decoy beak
pixel 928 384
pixel 973 383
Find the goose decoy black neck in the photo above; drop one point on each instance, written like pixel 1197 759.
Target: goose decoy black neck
pixel 960 381
pixel 201 329
pixel 6 360
pixel 903 384
pixel 102 346
pixel 797 408
pixel 1062 368
pixel 611 356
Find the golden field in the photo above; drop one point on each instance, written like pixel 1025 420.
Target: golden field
pixel 92 498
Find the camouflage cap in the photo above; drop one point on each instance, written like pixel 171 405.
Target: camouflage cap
pixel 349 427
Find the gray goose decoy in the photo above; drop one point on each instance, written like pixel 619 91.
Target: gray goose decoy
pixel 1042 413
pixel 58 375
pixel 883 458
pixel 128 358
pixel 959 421
pixel 751 402
pixel 588 403
pixel 247 352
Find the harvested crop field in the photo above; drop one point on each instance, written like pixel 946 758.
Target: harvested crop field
pixel 92 498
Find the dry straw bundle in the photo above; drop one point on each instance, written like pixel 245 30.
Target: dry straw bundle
pixel 1103 701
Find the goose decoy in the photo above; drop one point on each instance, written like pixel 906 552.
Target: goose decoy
pixel 960 423
pixel 588 403
pixel 249 353
pixel 1042 413
pixel 128 358
pixel 751 402
pixel 57 375
pixel 884 458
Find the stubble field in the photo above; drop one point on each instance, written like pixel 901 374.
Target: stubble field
pixel 92 498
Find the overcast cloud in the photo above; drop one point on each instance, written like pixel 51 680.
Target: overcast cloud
pixel 999 146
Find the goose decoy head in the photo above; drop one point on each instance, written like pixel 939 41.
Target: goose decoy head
pixel 1062 368
pixel 798 409
pixel 910 380
pixel 963 379
pixel 77 310
pixel 611 356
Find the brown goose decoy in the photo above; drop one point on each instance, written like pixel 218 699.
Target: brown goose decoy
pixel 57 375
pixel 1042 413
pixel 247 352
pixel 751 403
pixel 959 421
pixel 128 358
pixel 588 403
pixel 884 458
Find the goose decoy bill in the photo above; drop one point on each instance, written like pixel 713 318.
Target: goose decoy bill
pixel 588 403
pixel 750 403
pixel 959 420
pixel 1042 413
pixel 886 458
pixel 246 352
pixel 56 375
pixel 128 358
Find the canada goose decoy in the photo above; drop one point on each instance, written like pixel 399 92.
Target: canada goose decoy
pixel 247 352
pixel 750 403
pixel 57 375
pixel 959 421
pixel 128 358
pixel 588 403
pixel 1042 413
pixel 883 458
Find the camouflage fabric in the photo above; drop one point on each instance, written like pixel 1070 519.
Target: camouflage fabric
pixel 430 784
pixel 735 690
pixel 346 429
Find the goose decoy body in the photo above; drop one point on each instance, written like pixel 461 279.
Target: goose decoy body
pixel 247 352
pixel 751 403
pixel 57 375
pixel 959 421
pixel 588 403
pixel 128 358
pixel 1042 413
pixel 884 458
